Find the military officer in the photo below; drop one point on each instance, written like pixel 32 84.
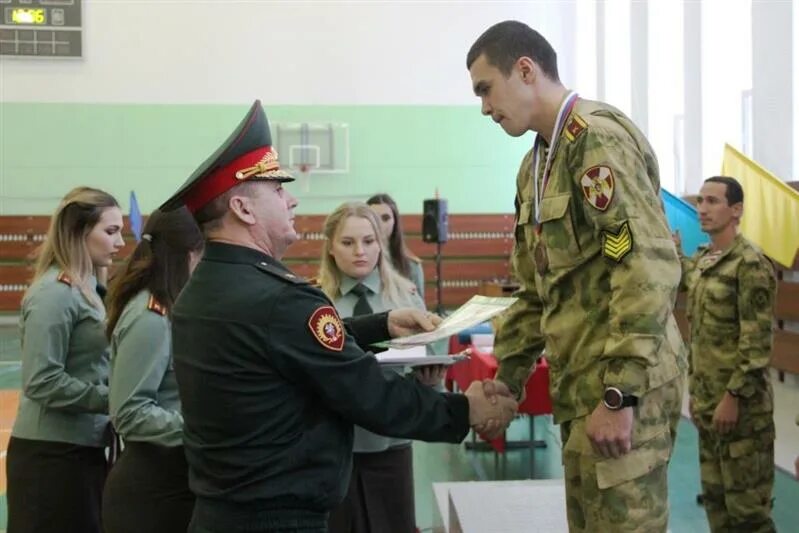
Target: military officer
pixel 599 276
pixel 56 462
pixel 270 379
pixel 148 487
pixel 731 290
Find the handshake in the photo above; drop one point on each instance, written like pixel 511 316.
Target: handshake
pixel 492 407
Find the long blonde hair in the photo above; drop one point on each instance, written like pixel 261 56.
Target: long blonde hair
pixel 396 290
pixel 65 243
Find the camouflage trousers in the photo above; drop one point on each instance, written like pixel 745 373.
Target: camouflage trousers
pixel 737 473
pixel 628 494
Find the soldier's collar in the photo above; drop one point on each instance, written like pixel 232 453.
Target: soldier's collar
pixel 371 282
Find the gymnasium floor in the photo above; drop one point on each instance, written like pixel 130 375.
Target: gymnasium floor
pixel 443 462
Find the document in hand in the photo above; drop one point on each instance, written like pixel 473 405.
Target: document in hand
pixel 476 311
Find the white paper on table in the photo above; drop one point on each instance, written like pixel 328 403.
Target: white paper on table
pixel 476 311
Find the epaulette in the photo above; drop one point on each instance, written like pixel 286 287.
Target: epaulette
pixel 280 273
pixel 414 259
pixel 574 127
pixel 155 306
pixel 63 277
pixel 314 282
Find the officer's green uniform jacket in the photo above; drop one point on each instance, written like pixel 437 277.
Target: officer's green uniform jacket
pixel 364 440
pixel 600 280
pixel 64 365
pixel 730 311
pixel 271 385
pixel 144 402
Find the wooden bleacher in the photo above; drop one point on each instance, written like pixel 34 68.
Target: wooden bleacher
pixel 478 251
pixel 475 260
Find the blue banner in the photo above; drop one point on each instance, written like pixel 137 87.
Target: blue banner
pixel 135 217
pixel 682 217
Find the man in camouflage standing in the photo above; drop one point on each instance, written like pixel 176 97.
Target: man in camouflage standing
pixel 599 275
pixel 731 289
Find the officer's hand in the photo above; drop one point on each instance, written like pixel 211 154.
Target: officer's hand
pixel 407 321
pixel 493 390
pixel 430 375
pixel 489 419
pixel 725 417
pixel 610 432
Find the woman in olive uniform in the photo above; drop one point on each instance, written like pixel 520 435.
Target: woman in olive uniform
pixel 404 261
pixel 148 488
pixel 357 275
pixel 56 462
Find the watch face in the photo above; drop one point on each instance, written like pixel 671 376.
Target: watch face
pixel 613 398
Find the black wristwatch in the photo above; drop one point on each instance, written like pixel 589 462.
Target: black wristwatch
pixel 614 399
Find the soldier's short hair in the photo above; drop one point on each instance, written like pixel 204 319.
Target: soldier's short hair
pixel 734 192
pixel 504 43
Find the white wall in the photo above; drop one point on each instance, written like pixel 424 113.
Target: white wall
pixel 298 52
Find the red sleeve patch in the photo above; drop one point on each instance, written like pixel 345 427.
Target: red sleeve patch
pixel 327 329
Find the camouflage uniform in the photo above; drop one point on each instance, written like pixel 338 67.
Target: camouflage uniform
pixel 598 288
pixel 730 299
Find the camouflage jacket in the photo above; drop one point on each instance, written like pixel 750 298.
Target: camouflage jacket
pixel 730 311
pixel 599 275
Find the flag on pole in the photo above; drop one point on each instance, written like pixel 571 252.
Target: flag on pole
pixel 135 217
pixel 771 207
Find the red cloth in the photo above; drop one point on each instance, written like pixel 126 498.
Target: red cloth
pixel 482 365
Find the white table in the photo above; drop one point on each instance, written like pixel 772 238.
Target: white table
pixel 526 506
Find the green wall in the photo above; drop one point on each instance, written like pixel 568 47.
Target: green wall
pixel 407 151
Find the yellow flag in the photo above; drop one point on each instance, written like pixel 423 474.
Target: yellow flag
pixel 771 208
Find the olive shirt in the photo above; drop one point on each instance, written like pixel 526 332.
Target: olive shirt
pixel 144 401
pixel 730 310
pixel 599 277
pixel 64 365
pixel 271 383
pixel 364 440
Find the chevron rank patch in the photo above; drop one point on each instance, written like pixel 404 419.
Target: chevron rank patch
pixel 616 245
pixel 327 329
pixel 598 186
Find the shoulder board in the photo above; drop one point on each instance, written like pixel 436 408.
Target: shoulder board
pixel 63 277
pixel 154 306
pixel 414 259
pixel 280 273
pixel 752 254
pixel 574 127
pixel 314 282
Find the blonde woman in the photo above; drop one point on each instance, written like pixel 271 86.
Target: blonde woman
pixel 56 463
pixel 356 274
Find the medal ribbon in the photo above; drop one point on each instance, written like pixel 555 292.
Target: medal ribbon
pixel 563 113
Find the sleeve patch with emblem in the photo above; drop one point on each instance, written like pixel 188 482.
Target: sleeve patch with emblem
pixel 761 299
pixel 598 186
pixel 616 245
pixel 327 329
pixel 154 306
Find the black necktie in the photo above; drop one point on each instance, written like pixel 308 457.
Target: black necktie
pixel 362 306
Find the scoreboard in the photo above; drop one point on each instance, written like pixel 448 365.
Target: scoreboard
pixel 40 28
